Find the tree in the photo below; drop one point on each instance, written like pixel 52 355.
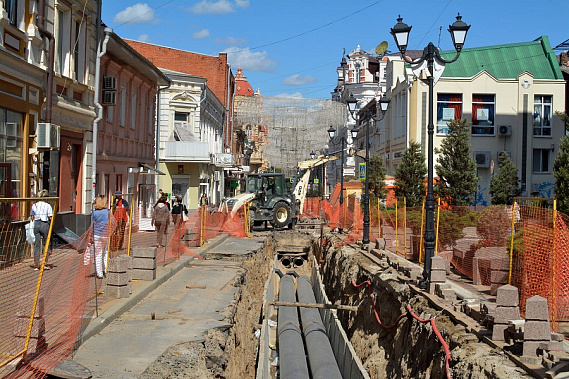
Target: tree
pixel 506 185
pixel 455 167
pixel 410 175
pixel 376 177
pixel 561 173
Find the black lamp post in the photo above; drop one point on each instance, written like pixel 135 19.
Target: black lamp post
pixel 458 32
pixel 367 115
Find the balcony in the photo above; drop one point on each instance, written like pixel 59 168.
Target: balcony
pixel 186 151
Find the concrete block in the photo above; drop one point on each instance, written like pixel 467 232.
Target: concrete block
pixel 476 279
pixel 142 274
pixel 499 332
pixel 380 243
pixel 36 345
pixel 500 264
pixel 531 360
pixel 117 292
pixel 494 288
pixel 489 308
pixel 551 346
pixel 557 356
pixel 537 331
pixel 145 263
pixel 21 326
pixel 537 309
pixel 499 277
pixel 438 276
pixel 530 348
pixel 505 314
pixel 432 288
pixel 507 295
pixel 118 278
pixel 438 263
pixel 557 337
pixel 119 264
pixel 448 295
pixel 144 252
pixel 25 307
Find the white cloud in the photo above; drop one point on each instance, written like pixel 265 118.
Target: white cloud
pixel 231 41
pixel 201 34
pixel 242 3
pixel 298 80
pixel 136 14
pixel 212 7
pixel 296 95
pixel 250 61
pixel 144 38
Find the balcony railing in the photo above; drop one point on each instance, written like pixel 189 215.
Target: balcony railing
pixel 186 151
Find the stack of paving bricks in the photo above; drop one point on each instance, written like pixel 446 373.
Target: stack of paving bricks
pixel 499 272
pixel 537 332
pixel 144 263
pixel 118 277
pixel 507 308
pixel 438 273
pixel 37 342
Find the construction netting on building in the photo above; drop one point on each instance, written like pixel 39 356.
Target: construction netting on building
pixel 295 126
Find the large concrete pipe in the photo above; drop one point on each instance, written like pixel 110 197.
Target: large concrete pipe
pixel 323 365
pixel 291 349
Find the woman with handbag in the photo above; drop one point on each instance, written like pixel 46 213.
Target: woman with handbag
pixel 179 211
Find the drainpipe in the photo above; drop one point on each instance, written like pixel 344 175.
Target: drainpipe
pixel 158 132
pixel 101 50
pixel 51 59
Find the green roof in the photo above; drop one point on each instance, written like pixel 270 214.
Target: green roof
pixel 505 61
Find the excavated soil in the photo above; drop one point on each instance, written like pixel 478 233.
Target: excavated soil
pixel 410 349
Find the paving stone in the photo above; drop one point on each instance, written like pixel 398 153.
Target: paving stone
pixel 557 356
pixel 531 360
pixel 432 287
pixel 507 295
pixel 557 337
pixel 498 332
pixel 144 252
pixel 142 274
pixel 537 309
pixel 438 276
pixel 118 278
pixel 537 331
pixel 551 346
pixel 489 308
pixel 145 263
pixel 504 314
pixel 117 292
pixel 438 263
pixel 499 277
pixel 118 264
pixel 530 348
pixel 494 288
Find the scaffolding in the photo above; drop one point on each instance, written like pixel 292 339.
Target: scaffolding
pixel 295 126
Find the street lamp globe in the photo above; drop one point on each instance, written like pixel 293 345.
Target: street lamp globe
pixel 352 102
pixel 458 32
pixel 354 132
pixel 331 132
pixel 401 34
pixel 383 104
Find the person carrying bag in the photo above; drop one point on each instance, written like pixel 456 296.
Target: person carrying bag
pixel 160 220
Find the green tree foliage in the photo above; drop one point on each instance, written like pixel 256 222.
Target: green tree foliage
pixel 561 173
pixel 506 185
pixel 377 173
pixel 410 175
pixel 455 166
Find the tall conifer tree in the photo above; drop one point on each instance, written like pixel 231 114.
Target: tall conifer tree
pixel 410 175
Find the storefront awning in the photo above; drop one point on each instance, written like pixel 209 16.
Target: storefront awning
pixel 150 170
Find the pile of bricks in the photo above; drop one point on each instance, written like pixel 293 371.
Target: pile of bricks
pixel 499 272
pixel 144 263
pixel 438 273
pixel 118 277
pixel 537 331
pixel 37 342
pixel 507 308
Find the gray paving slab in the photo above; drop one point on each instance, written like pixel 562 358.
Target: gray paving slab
pixel 237 246
pixel 128 345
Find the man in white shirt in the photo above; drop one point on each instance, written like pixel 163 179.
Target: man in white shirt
pixel 41 214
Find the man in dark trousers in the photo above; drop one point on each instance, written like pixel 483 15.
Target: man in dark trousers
pixel 121 210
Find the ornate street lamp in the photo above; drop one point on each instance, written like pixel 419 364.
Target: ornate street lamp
pixel 367 115
pixel 400 32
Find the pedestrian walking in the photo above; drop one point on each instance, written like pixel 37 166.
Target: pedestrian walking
pixel 161 220
pixel 121 210
pixel 41 215
pixel 178 210
pixel 204 200
pixel 100 219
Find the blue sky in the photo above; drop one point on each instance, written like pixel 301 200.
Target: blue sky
pixel 292 47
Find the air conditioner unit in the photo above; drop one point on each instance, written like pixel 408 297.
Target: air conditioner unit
pixel 482 159
pixel 504 131
pixel 216 176
pixel 109 97
pixel 110 83
pixel 48 136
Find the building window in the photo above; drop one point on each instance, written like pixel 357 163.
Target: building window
pixel 11 7
pixel 541 160
pixel 151 118
pixel 483 115
pixel 449 108
pixel 11 147
pixel 63 41
pixel 122 120
pixel 133 110
pixel 79 52
pixel 110 113
pixel 542 115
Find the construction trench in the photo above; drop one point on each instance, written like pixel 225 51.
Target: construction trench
pixel 270 340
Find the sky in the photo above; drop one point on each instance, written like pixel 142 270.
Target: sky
pixel 292 48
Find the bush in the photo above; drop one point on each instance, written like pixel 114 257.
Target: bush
pixel 494 225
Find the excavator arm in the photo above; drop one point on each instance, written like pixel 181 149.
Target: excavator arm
pixel 302 185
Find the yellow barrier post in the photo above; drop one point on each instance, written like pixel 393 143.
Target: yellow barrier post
pixel 554 268
pixel 422 230
pixel 405 226
pixel 38 285
pixel 438 219
pixel 512 243
pixel 378 220
pixel 132 222
pixel 396 233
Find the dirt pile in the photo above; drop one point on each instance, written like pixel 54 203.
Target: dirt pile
pixel 410 349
